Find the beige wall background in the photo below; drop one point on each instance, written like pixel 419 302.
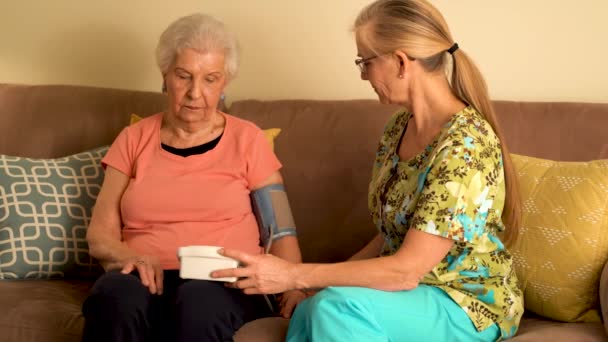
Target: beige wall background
pixel 540 50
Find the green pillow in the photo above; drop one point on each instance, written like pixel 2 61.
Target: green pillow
pixel 45 209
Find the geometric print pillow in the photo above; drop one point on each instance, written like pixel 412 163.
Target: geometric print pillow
pixel 563 239
pixel 45 209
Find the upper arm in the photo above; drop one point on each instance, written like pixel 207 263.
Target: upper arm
pixel 421 251
pixel 286 247
pixel 106 221
pixel 274 178
pixel 461 196
pixel 462 192
pixel 262 164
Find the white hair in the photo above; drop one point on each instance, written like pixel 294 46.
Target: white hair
pixel 200 32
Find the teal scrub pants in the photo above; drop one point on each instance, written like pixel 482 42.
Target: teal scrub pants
pixel 351 314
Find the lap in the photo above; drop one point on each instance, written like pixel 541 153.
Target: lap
pixel 118 285
pixel 184 294
pixel 212 296
pixel 424 312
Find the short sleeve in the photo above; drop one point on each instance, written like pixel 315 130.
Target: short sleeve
pixel 458 190
pixel 118 155
pixel 261 160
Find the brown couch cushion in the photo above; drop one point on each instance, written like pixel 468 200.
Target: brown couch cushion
pixel 263 330
pixel 532 329
pixel 326 145
pixel 50 121
pixel 330 145
pixel 557 131
pixel 604 296
pixel 42 310
pixel 538 330
pixel 327 150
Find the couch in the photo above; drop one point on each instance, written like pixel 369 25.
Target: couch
pixel 326 148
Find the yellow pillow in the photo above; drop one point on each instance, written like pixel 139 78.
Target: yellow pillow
pixel 270 133
pixel 134 118
pixel 563 242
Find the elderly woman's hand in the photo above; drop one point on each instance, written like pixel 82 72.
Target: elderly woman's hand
pixel 260 274
pixel 289 300
pixel 149 269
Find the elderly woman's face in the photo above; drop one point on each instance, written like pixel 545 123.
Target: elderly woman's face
pixel 195 82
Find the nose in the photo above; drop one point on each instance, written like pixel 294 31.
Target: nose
pixel 364 76
pixel 195 91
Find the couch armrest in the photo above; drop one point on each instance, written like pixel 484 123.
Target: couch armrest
pixel 604 296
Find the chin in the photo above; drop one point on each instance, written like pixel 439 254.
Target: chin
pixel 384 100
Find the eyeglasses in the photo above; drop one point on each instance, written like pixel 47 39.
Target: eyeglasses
pixel 362 63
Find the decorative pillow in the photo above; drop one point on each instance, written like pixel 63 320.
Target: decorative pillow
pixel 45 209
pixel 270 133
pixel 563 242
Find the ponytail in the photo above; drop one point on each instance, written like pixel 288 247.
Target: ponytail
pixel 470 87
pixel 418 27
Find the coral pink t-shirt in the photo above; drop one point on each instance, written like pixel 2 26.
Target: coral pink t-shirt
pixel 173 201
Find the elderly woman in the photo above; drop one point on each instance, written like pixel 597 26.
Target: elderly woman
pixel 442 190
pixel 178 178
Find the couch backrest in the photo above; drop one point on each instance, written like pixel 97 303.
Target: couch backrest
pixel 327 148
pixel 56 120
pixel 555 130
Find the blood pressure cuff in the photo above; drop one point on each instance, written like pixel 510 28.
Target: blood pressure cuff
pixel 273 213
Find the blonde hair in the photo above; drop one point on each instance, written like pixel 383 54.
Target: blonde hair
pixel 419 29
pixel 200 32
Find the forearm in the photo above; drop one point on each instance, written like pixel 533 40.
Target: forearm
pixel 371 250
pixel 418 255
pixel 104 231
pixel 110 252
pixel 382 273
pixel 287 248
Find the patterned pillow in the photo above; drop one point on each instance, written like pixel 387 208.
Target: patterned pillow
pixel 563 242
pixel 45 208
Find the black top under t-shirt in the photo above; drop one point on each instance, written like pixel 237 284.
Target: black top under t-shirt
pixel 190 151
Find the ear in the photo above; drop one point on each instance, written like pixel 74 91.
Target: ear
pixel 164 86
pixel 404 61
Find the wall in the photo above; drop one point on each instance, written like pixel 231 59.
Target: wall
pixel 528 50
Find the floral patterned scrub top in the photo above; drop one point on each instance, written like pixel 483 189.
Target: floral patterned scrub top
pixel 455 189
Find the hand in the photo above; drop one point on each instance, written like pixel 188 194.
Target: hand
pixel 289 300
pixel 260 274
pixel 150 272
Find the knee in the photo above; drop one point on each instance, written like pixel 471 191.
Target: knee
pixel 198 291
pixel 335 300
pixel 207 311
pixel 117 284
pixel 340 294
pixel 114 289
pixel 203 296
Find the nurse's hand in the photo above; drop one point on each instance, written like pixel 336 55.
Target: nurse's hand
pixel 289 300
pixel 259 274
